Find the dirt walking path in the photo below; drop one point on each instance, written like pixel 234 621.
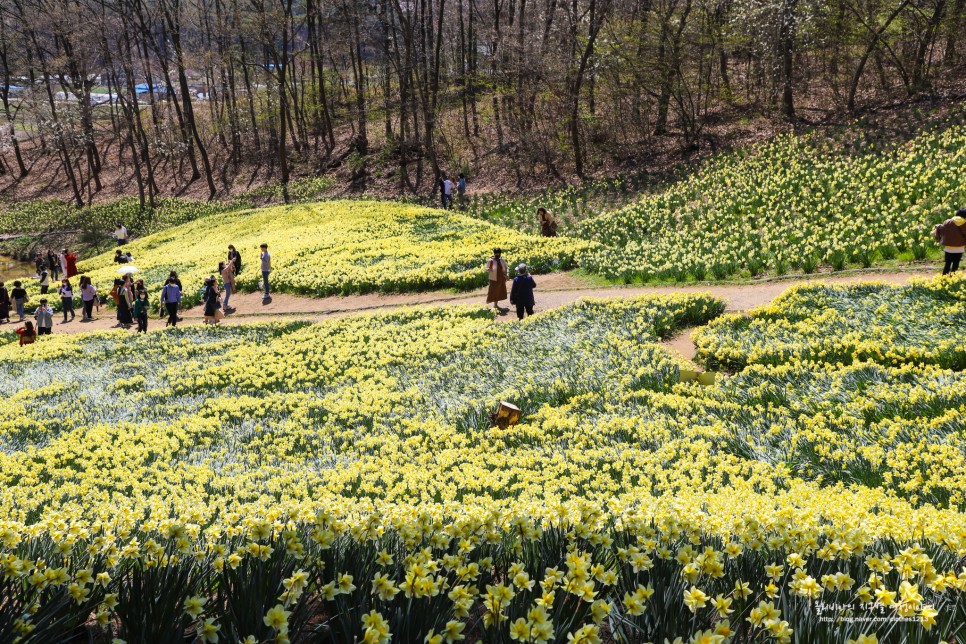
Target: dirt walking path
pixel 553 291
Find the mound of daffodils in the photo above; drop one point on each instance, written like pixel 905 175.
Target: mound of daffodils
pixel 337 247
pixel 342 482
pixel 793 203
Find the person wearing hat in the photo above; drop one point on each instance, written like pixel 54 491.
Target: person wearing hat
pixel 497 267
pixel 952 234
pixel 521 293
pixel 45 318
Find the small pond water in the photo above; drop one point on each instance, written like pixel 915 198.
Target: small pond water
pixel 11 269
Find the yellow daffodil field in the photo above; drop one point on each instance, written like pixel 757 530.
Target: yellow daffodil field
pixel 337 247
pixel 892 325
pixel 792 204
pixel 343 482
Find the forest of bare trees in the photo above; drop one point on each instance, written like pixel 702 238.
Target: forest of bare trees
pixel 142 90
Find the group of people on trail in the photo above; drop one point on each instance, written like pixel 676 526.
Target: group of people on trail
pixel 130 295
pixel 51 265
pixel 447 187
pixel 521 292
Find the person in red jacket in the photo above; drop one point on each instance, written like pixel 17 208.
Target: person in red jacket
pixel 70 263
pixel 27 333
pixel 952 235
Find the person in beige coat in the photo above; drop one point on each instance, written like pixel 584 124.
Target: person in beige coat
pixel 228 280
pixel 497 267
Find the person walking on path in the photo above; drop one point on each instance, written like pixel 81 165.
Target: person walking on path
pixel 88 296
pixel 266 269
pixel 461 190
pixel 177 280
pixel 497 268
pixel 19 295
pixel 45 318
pixel 27 333
pixel 66 293
pixel 952 234
pixel 234 259
pixel 125 301
pixel 141 311
pixel 446 191
pixel 548 227
pixel 170 298
pixel 210 297
pixel 44 281
pixel 70 264
pixel 53 263
pixel 228 280
pixel 120 234
pixel 4 304
pixel 521 293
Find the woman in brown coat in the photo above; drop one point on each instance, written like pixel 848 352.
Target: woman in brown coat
pixel 548 227
pixel 952 235
pixel 497 267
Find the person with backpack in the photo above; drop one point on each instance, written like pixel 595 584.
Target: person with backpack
pixel 67 300
pixel 45 318
pixel 19 295
pixel 27 333
pixel 170 298
pixel 141 311
pixel 952 235
pixel 521 293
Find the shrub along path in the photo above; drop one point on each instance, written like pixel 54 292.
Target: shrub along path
pixel 553 290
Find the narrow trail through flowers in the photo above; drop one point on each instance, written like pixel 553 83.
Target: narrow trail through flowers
pixel 554 290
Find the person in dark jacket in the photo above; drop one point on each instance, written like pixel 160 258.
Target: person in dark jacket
pixel 53 263
pixel 234 259
pixel 210 297
pixel 952 235
pixel 521 293
pixel 141 311
pixel 4 304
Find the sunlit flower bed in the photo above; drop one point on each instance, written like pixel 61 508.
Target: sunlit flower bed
pixel 794 203
pixel 338 247
pixel 342 482
pixel 914 324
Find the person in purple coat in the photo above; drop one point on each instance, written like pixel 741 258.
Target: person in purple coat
pixel 521 293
